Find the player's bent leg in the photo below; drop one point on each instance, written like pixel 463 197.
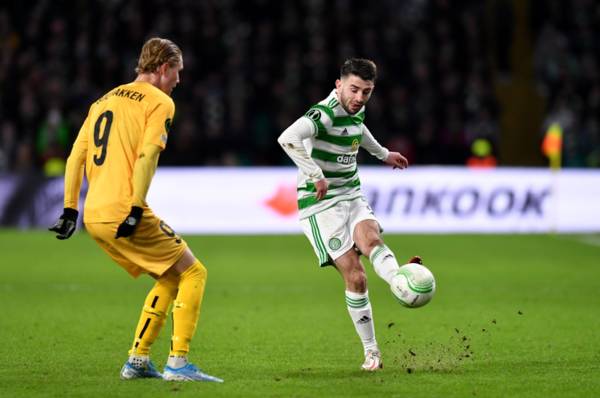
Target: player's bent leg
pixel 366 236
pixel 359 307
pixel 186 307
pixel 352 271
pixel 369 242
pixel 154 313
pixel 151 321
pixel 186 311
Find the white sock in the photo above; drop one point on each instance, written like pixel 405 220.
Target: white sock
pixel 384 262
pixel 139 360
pixel 359 308
pixel 176 362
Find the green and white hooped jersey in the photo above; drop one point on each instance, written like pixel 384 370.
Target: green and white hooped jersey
pixel 333 148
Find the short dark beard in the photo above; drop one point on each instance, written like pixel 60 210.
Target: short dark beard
pixel 344 106
pixel 348 110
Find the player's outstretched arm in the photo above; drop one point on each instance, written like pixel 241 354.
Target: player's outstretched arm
pixel 67 222
pixel 394 159
pixel 143 171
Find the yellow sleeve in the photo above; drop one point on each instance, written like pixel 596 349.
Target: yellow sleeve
pixel 143 171
pixel 159 123
pixel 75 168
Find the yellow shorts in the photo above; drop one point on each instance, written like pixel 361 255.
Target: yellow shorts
pixel 153 248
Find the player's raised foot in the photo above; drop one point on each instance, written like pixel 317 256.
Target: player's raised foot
pixel 188 372
pixel 145 370
pixel 415 260
pixel 373 361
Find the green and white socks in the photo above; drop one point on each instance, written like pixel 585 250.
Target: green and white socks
pixel 360 311
pixel 358 304
pixel 384 262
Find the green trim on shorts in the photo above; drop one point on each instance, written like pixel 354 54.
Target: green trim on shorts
pixel 323 255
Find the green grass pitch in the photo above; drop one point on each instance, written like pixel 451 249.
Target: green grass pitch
pixel 514 315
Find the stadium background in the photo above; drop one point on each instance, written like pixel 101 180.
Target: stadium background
pixel 514 315
pixel 450 72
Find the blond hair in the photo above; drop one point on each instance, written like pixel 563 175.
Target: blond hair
pixel 155 52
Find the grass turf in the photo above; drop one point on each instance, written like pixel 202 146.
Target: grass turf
pixel 513 316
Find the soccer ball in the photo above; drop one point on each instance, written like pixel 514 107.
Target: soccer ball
pixel 413 285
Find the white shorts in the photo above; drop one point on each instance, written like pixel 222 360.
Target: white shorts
pixel 331 231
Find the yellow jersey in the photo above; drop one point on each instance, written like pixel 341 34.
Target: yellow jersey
pixel 117 127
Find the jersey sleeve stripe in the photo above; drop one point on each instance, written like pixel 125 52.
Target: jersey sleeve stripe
pixel 317 132
pixel 319 127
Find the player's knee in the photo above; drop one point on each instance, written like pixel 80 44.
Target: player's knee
pixel 373 242
pixel 368 240
pixel 169 280
pixel 184 262
pixel 198 270
pixel 202 269
pixel 370 243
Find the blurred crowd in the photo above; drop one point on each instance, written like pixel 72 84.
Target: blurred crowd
pixel 567 61
pixel 252 67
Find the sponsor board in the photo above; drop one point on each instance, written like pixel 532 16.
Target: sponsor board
pixel 419 199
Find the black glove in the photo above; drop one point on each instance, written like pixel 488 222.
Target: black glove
pixel 65 226
pixel 127 227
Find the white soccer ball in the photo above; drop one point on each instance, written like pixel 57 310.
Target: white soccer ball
pixel 413 286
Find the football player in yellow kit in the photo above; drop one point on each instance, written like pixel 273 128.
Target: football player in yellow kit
pixel 118 147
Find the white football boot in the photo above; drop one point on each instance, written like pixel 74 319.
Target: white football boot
pixel 373 361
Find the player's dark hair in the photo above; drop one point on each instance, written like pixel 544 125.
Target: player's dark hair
pixel 361 67
pixel 155 52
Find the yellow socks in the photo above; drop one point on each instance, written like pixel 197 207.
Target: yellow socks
pixel 154 313
pixel 186 308
pixel 185 291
